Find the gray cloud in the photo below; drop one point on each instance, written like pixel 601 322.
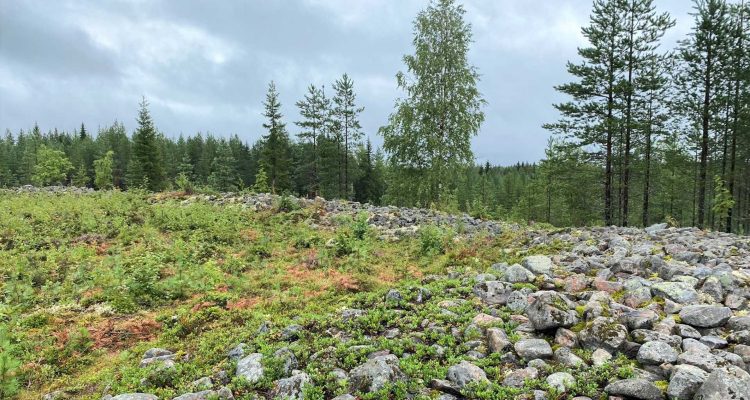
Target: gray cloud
pixel 204 65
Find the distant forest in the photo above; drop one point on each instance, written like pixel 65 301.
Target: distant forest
pixel 647 135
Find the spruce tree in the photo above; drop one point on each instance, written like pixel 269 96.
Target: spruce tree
pixel 368 187
pixel 223 175
pixel 146 169
pixel 275 157
pixel 428 136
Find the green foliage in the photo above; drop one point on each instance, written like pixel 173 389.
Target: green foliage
pixel 146 168
pixel 103 171
pixel 428 136
pixel 52 167
pixel 723 200
pixel 8 366
pixel 275 154
pixel 261 182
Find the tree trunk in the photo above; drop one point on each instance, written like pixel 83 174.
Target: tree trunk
pixel 705 119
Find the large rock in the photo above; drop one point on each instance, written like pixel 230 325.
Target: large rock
pixel 518 274
pixel 538 264
pixel 291 388
pixel 705 316
pixel 530 349
pixel 465 373
pixel 679 292
pixel 374 374
pixel 656 353
pixel 702 359
pixel 561 381
pixel 605 333
pixel 724 384
pixel 685 381
pixel 135 396
pixel 250 367
pixel 493 292
pixel 635 389
pixel 550 311
pixel 497 340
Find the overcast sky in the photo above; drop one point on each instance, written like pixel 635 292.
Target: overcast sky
pixel 205 65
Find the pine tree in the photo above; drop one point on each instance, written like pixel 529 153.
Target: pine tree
pixel 275 154
pixel 643 29
pixel 349 132
pixel 82 134
pixel 146 168
pixel 314 109
pixel 700 56
pixel 428 136
pixel 589 119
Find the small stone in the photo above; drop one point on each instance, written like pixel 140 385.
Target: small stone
pixel 483 319
pixel 393 296
pixel 291 388
pixel 518 377
pixel 497 340
pixel 600 357
pixel 518 274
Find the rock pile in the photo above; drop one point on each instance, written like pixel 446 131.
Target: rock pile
pixel 670 303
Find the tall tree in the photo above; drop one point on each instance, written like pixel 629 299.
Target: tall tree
pixel 589 119
pixel 428 136
pixel 368 187
pixel 700 56
pixel 52 167
pixel 146 165
pixel 348 130
pixel 103 171
pixel 224 169
pixel 314 110
pixel 275 154
pixel 643 29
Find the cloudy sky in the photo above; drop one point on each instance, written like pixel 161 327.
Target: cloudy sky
pixel 204 65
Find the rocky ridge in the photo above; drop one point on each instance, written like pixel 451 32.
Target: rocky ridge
pixel 655 313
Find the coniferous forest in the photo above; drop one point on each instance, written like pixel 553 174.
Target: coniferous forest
pixel 647 134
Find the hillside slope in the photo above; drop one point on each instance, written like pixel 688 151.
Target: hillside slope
pixel 113 294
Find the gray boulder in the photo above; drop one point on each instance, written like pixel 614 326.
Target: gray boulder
pixel 530 349
pixel 656 353
pixel 561 381
pixel 549 311
pixel 705 316
pixel 635 389
pixel 135 396
pixel 374 374
pixel 250 367
pixel 679 292
pixel 605 333
pixel 725 383
pixel 465 373
pixel 538 264
pixel 518 274
pixel 493 292
pixel 685 381
pixel 291 388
